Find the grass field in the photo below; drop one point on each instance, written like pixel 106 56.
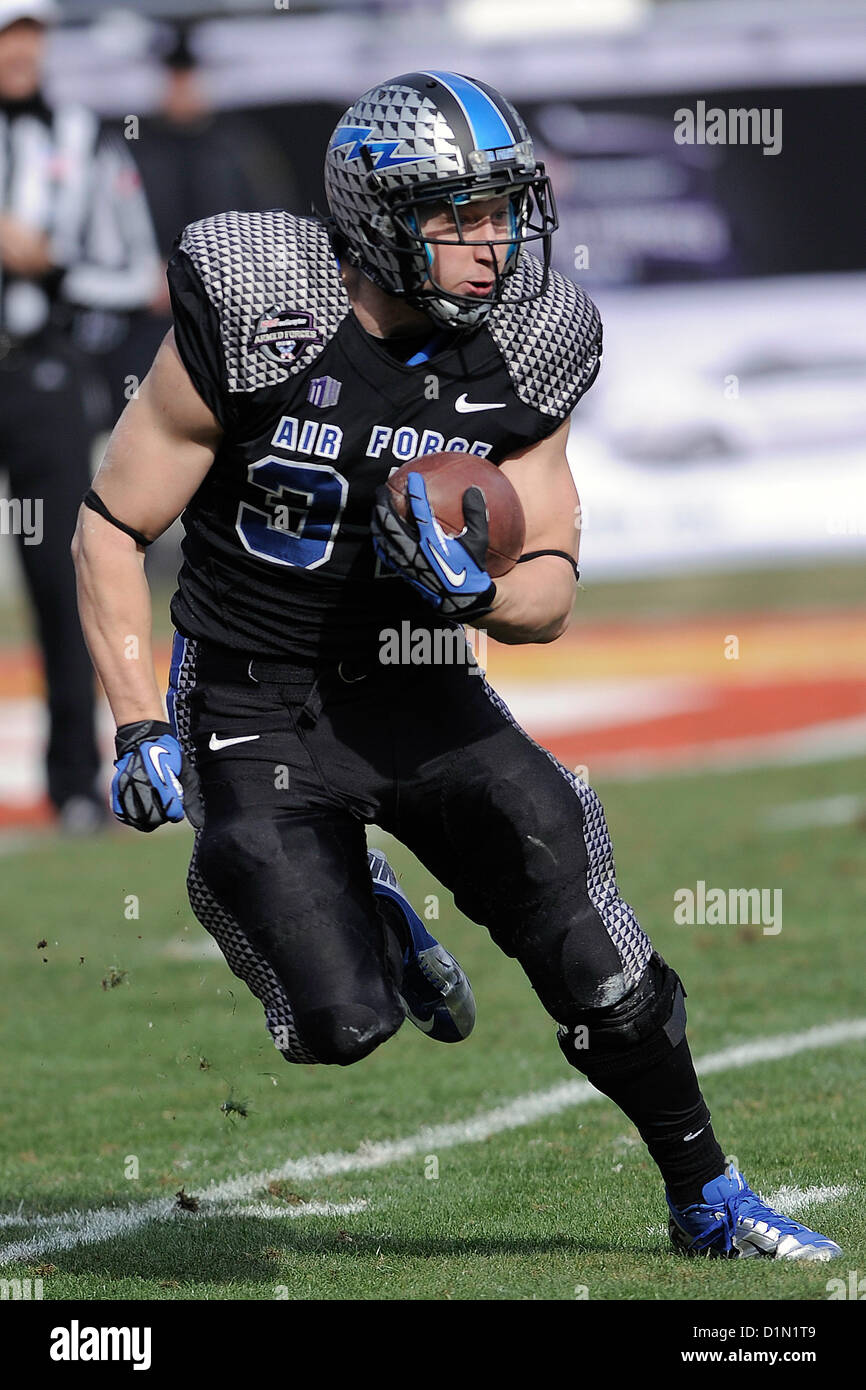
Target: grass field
pixel 123 1036
pixel 94 1075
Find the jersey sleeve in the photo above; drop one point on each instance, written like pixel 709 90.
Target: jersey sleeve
pixel 197 333
pixel 551 346
pixel 229 272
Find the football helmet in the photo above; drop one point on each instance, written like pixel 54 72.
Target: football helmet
pixel 420 145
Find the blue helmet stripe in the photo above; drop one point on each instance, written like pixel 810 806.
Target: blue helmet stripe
pixel 486 122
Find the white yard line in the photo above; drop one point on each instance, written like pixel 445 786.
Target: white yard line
pixel 793 1200
pixel 827 810
pixel 91 1227
pixel 268 1211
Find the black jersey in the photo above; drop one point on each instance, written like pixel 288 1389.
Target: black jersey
pixel 278 558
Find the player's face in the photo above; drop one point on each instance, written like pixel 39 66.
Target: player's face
pixel 468 267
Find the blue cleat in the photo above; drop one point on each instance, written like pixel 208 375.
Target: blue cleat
pixel 437 995
pixel 733 1222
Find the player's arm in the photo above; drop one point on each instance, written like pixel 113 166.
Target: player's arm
pixel 533 602
pixel 159 452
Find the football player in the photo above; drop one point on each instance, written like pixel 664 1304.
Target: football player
pixel 308 359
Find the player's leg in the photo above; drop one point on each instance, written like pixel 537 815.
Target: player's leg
pixel 279 874
pixel 524 846
pixel 299 888
pixel 49 471
pixel 347 738
pixel 434 988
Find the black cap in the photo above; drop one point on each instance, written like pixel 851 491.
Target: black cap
pixel 174 50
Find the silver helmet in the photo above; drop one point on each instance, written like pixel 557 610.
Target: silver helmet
pixel 424 143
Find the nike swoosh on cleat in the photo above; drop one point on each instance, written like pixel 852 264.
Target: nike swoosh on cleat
pixel 426 1026
pixel 465 407
pixel 217 743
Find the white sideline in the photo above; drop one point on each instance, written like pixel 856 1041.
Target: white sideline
pixel 91 1227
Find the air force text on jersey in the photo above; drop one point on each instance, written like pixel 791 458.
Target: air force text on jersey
pixel 316 437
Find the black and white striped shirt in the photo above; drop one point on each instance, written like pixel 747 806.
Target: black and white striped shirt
pixel 63 174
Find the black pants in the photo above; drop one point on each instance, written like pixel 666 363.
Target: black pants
pixel 293 765
pixel 45 439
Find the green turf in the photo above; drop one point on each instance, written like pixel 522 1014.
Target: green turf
pixel 94 1075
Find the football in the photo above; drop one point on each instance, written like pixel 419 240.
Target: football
pixel 447 476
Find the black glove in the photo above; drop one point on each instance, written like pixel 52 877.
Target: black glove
pixel 448 571
pixel 154 782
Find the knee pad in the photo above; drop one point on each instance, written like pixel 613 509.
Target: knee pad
pixel 644 1026
pixel 345 1033
pixel 234 851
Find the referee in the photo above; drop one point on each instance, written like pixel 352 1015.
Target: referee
pixel 76 239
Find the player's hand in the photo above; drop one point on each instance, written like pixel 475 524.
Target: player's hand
pixel 448 571
pixel 24 250
pixel 154 781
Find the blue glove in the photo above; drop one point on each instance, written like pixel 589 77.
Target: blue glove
pixel 154 781
pixel 446 570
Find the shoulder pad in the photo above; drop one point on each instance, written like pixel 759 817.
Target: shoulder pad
pixel 255 265
pixel 552 346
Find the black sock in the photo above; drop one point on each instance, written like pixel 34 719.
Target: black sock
pixel 666 1105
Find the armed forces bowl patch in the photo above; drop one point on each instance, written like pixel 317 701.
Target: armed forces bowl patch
pixel 283 334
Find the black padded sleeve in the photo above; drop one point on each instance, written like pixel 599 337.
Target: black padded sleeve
pixel 197 335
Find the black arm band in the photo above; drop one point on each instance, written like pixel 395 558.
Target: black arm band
pixel 531 554
pixel 92 500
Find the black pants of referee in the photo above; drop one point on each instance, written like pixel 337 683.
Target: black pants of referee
pixel 45 440
pixel 293 764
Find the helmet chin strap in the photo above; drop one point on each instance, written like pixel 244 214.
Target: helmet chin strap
pixel 448 314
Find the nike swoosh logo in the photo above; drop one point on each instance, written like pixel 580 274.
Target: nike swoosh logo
pixel 453 578
pixel 687 1137
pixel 465 407
pixel 154 753
pixel 426 1025
pixel 164 774
pixel 217 743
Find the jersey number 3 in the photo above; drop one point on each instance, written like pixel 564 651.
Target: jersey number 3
pixel 299 515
